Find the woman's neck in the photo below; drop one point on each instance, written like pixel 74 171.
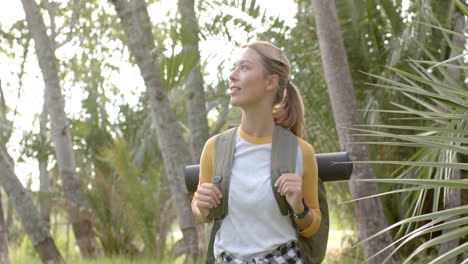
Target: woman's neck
pixel 258 122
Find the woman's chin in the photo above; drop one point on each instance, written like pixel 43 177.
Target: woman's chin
pixel 235 102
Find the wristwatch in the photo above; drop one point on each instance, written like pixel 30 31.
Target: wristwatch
pixel 303 214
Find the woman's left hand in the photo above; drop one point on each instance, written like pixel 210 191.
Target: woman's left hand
pixel 290 185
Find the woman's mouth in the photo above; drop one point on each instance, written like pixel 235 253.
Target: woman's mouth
pixel 234 89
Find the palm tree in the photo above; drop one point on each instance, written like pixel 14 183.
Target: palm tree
pixel 28 213
pixel 137 27
pixel 369 212
pixel 196 109
pixel 45 51
pixel 439 102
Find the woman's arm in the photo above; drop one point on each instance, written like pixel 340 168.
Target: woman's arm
pixel 309 190
pixel 206 196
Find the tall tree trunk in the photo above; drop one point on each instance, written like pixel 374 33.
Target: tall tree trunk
pixel 196 108
pixel 369 212
pixel 45 50
pixel 10 211
pixel 5 125
pixel 137 26
pixel 44 199
pixel 5 129
pixel 27 213
pixel 454 196
pixel 4 258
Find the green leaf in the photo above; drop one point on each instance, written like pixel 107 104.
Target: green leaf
pixel 451 254
pixel 400 144
pixel 423 113
pixel 449 140
pixel 460 232
pixel 411 189
pixel 447 62
pixel 444 214
pixel 434 129
pixel 429 183
pixel 461 67
pixel 243 5
pixel 441 98
pixel 462 7
pixel 462 166
pixel 442 29
pixel 432 83
pixel 430 227
pixel 428 143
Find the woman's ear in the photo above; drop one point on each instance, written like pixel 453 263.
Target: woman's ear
pixel 272 82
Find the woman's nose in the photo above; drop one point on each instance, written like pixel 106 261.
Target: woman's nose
pixel 233 75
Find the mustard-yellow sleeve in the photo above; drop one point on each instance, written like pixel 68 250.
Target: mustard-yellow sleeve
pixel 206 163
pixel 309 187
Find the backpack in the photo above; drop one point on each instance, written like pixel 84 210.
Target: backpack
pixel 312 249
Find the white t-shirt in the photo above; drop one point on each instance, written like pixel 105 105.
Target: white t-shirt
pixel 254 224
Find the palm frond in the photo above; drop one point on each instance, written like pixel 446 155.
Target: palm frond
pixel 439 103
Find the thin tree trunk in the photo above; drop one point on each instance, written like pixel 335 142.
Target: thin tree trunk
pixel 45 50
pixel 369 212
pixel 137 26
pixel 221 119
pixel 166 219
pixel 27 213
pixel 10 211
pixel 4 258
pixel 454 196
pixel 5 129
pixel 196 108
pixel 44 201
pixel 5 126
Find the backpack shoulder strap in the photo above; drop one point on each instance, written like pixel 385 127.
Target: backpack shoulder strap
pixel 283 160
pixel 223 156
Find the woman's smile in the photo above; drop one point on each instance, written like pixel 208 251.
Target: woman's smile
pixel 234 89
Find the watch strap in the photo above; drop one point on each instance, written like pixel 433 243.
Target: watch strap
pixel 303 214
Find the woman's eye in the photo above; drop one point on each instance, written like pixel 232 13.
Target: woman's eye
pixel 242 68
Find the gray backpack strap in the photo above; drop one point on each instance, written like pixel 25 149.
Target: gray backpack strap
pixel 223 157
pixel 283 160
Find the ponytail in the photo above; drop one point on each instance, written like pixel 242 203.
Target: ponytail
pixel 289 111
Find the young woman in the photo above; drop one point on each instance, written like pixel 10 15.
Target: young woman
pixel 254 230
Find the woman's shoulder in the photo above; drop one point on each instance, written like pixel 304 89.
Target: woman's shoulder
pixel 211 140
pixel 210 144
pixel 306 147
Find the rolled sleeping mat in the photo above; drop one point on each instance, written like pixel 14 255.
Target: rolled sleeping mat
pixel 328 169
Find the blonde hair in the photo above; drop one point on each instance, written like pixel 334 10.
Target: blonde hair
pixel 288 108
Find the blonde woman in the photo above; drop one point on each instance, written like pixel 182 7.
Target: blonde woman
pixel 254 230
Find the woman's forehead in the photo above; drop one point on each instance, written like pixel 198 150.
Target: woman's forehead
pixel 245 55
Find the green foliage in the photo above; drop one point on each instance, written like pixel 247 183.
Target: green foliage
pixel 126 189
pixel 441 142
pixel 228 23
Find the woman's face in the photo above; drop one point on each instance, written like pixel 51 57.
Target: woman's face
pixel 248 81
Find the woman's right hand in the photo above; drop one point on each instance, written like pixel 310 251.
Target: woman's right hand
pixel 207 196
